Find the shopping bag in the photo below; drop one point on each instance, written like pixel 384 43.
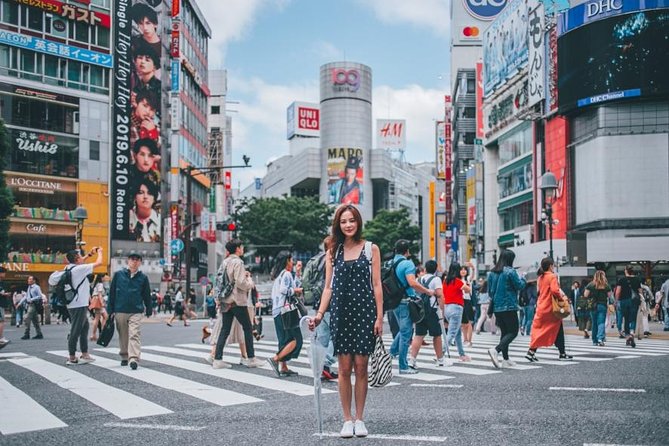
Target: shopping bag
pixel 107 332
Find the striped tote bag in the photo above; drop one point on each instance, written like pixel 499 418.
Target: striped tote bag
pixel 381 365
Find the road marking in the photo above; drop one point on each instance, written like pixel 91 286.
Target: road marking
pixel 392 437
pixel 118 402
pixel 12 355
pixel 168 427
pixel 598 389
pixel 253 379
pixel 214 395
pixel 20 413
pixel 447 386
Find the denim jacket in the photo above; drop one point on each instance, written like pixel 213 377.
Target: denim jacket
pixel 503 289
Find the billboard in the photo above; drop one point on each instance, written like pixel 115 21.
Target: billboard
pixel 480 132
pixel 136 116
pixel 537 55
pixel 303 119
pixel 505 49
pixel 615 58
pixel 391 133
pixel 440 144
pixel 345 175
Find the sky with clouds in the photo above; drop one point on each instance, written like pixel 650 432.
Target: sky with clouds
pixel 273 50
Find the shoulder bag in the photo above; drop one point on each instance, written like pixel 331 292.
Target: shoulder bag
pixel 107 332
pixel 560 308
pixel 381 370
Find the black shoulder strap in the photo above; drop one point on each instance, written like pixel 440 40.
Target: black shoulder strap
pixel 76 290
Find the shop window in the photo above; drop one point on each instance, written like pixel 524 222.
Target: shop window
pixel 74 71
pixel 94 151
pixel 101 36
pixel 215 109
pixel 471 86
pixel 35 19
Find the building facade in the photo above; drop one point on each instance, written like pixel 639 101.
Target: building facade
pixel 55 76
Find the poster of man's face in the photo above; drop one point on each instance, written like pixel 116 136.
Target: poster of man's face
pixel 345 176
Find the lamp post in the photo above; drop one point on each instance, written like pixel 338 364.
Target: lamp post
pixel 191 172
pixel 80 215
pixel 549 186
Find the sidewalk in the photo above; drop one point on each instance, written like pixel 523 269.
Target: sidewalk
pixel 655 328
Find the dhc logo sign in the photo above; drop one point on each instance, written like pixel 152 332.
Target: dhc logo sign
pixel 484 9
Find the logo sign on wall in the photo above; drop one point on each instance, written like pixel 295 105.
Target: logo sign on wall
pixel 505 49
pixel 391 133
pixel 502 111
pixel 537 53
pixel 303 119
pixel 345 80
pixel 484 9
pixel 440 143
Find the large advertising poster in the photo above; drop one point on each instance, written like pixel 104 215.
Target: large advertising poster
pixel 505 49
pixel 136 120
pixel 345 175
pixel 616 58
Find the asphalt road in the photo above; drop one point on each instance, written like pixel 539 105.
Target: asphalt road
pixel 627 401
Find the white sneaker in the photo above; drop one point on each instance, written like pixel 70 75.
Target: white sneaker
pixel 347 430
pixel 507 364
pixel 219 364
pixel 412 362
pixel 209 359
pixel 493 357
pixel 253 363
pixel 439 362
pixel 360 429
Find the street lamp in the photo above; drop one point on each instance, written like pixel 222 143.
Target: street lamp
pixel 549 186
pixel 80 214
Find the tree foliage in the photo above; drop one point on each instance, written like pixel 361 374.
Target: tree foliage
pixel 389 226
pixel 300 223
pixel 6 199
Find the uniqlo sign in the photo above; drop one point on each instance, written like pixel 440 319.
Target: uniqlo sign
pixel 308 118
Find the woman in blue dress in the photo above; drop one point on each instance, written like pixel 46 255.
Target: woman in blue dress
pixel 353 292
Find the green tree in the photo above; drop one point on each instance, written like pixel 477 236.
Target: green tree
pixel 300 223
pixel 6 199
pixel 389 226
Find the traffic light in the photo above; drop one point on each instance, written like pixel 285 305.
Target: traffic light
pixel 226 225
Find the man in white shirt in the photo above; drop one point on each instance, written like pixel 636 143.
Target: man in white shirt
pixel 434 315
pixel 78 308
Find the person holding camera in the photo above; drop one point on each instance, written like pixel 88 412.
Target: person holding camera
pixel 78 308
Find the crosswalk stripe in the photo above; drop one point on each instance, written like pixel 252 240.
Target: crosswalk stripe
pixel 118 402
pixel 584 350
pixel 214 395
pixel 12 355
pixel 253 379
pixel 20 413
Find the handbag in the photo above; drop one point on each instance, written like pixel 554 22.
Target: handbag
pixel 290 316
pixel 301 308
pixel 96 302
pixel 560 308
pixel 381 366
pixel 107 332
pixel 416 310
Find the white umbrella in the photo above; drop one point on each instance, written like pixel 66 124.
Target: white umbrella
pixel 317 358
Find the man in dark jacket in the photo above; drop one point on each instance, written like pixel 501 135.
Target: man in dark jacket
pixel 129 297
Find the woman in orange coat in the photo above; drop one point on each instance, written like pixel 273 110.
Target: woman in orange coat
pixel 547 328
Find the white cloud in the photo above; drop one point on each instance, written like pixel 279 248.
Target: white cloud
pixel 434 14
pixel 231 20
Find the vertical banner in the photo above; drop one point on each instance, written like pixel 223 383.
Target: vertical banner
pixel 136 142
pixel 551 81
pixel 345 175
pixel 440 144
pixel 480 132
pixel 433 216
pixel 537 62
pixel 448 159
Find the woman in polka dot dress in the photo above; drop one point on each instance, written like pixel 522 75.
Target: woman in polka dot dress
pixel 356 306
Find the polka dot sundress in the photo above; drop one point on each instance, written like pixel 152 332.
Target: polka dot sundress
pixel 352 306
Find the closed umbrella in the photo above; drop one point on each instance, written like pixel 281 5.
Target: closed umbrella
pixel 316 358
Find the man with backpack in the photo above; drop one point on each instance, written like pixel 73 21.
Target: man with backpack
pixel 129 297
pixel 434 315
pixel 75 290
pixel 405 273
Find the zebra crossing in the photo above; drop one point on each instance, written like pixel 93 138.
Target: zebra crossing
pixel 181 369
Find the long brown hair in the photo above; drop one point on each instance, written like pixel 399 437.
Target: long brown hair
pixel 338 236
pixel 546 263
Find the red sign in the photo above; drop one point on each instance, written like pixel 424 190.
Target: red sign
pixel 479 100
pixel 308 118
pixel 174 39
pixel 228 180
pixel 176 7
pixel 448 161
pixel 69 11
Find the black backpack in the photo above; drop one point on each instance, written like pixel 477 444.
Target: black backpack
pixel 64 292
pixel 393 290
pixel 313 279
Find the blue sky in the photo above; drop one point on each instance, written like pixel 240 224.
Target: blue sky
pixel 273 49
